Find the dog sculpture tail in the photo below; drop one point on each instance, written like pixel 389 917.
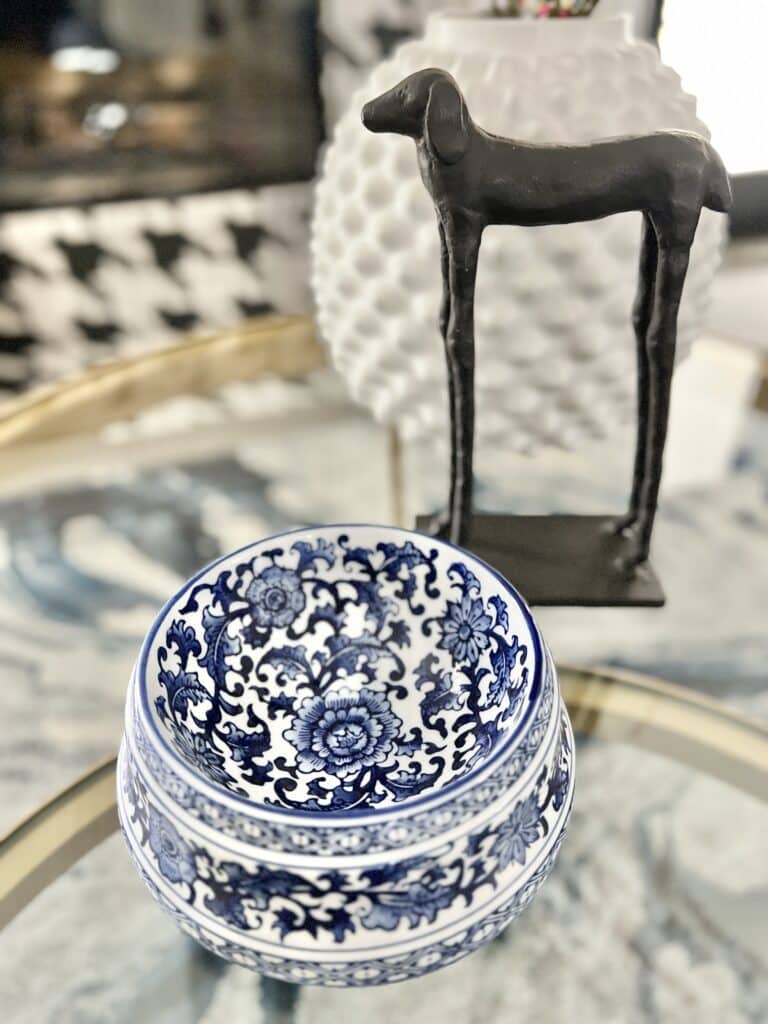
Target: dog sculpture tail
pixel 719 196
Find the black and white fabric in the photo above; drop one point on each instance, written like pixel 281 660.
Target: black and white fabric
pixel 81 285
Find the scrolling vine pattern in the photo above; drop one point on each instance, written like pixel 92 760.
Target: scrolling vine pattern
pixel 292 675
pixel 388 896
pixel 372 836
pixel 378 970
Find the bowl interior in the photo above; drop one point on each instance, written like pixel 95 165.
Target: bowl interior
pixel 339 668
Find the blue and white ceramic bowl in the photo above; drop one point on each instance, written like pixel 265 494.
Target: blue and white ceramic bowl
pixel 346 760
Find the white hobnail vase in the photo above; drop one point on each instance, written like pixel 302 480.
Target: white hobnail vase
pixel 555 348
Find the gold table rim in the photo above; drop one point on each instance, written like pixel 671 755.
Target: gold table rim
pixel 287 346
pixel 604 702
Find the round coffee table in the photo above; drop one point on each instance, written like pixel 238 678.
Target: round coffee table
pixel 118 484
pixel 656 910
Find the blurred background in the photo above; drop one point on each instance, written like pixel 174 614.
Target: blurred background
pixel 158 161
pixel 155 156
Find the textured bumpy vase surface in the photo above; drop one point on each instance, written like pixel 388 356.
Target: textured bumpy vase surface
pixel 346 759
pixel 556 352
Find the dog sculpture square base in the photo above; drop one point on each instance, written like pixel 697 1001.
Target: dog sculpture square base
pixel 562 559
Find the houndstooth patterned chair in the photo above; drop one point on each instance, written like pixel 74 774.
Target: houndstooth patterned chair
pixel 80 285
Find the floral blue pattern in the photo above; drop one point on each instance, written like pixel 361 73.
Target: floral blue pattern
pixel 519 832
pixel 288 677
pixel 193 747
pixel 343 732
pixel 276 597
pixel 362 838
pixel 175 858
pixel 407 893
pixel 465 629
pixel 362 694
pixel 376 970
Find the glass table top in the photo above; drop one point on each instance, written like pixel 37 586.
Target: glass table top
pixel 656 910
pixel 118 485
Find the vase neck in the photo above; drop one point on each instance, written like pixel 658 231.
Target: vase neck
pixel 465 33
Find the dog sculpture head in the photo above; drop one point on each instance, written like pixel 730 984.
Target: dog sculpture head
pixel 427 106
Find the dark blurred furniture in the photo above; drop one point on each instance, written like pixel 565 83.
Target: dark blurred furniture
pixel 101 99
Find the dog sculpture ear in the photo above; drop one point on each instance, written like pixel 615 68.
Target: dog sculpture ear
pixel 445 128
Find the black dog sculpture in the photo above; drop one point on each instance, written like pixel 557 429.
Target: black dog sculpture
pixel 476 179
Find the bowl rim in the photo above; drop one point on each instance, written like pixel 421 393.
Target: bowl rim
pixel 251 807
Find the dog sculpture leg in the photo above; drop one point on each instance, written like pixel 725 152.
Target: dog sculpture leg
pixel 463 245
pixel 440 523
pixel 641 319
pixel 673 258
